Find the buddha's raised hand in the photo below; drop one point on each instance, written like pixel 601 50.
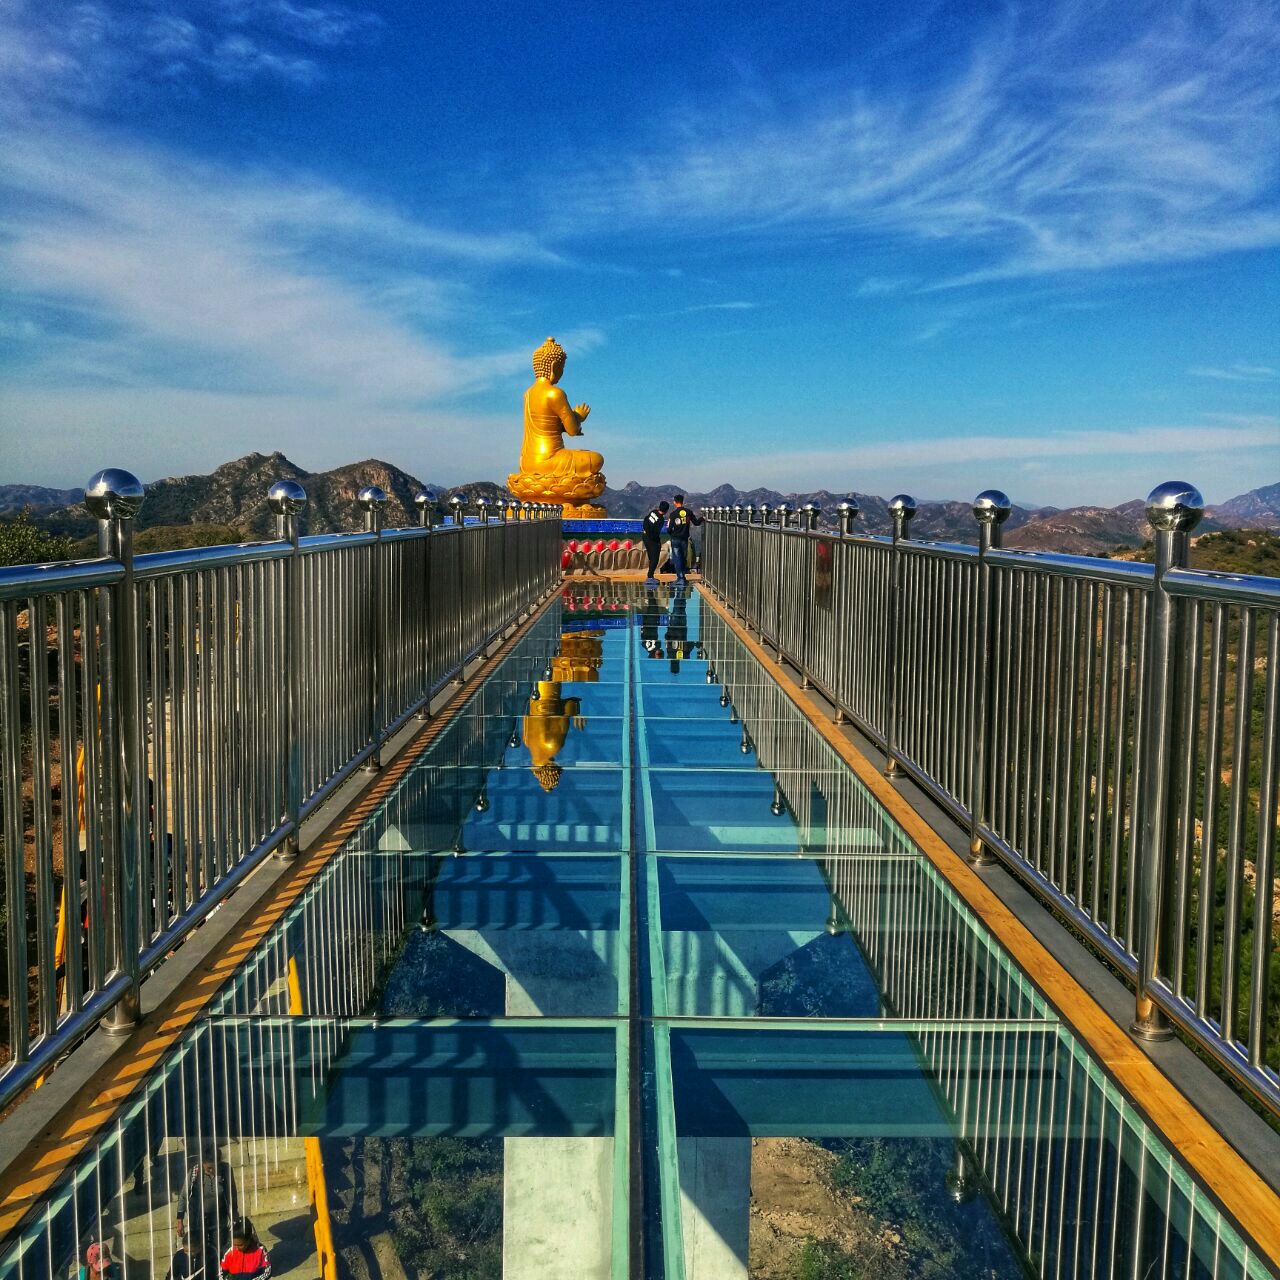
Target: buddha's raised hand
pixel 582 410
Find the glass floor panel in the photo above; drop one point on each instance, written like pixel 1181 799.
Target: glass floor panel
pixel 774 938
pixel 471 809
pixel 969 1150
pixel 757 811
pixel 628 975
pixel 426 936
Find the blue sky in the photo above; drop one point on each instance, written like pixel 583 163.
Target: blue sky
pixel 931 247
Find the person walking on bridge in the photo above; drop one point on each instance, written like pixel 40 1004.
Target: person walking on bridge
pixel 652 534
pixel 679 526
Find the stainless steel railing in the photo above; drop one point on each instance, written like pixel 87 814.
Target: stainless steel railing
pixel 169 720
pixel 1109 731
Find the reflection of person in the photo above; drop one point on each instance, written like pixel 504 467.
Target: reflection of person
pixel 650 616
pixel 246 1257
pixel 206 1209
pixel 679 526
pixel 677 631
pixel 98 1263
pixel 651 532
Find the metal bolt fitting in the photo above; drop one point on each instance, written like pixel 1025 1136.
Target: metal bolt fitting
pixel 1174 507
pixel 113 494
pixel 847 513
pixel 286 498
pixel 991 506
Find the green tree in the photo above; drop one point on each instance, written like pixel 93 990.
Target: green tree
pixel 22 542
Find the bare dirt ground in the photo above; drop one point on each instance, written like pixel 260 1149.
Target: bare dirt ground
pixel 793 1202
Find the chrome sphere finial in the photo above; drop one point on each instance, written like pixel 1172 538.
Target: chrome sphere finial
pixel 424 498
pixel 458 500
pixel 991 506
pixel 848 506
pixel 371 497
pixel 286 497
pixel 902 504
pixel 113 494
pixel 1174 507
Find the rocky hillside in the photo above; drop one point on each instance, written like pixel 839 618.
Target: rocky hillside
pixel 234 496
pixel 1257 509
pixel 34 497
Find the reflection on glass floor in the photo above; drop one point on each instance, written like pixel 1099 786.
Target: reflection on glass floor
pixel 630 846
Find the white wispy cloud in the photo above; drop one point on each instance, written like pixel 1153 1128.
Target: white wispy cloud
pixel 1237 372
pixel 91 51
pixel 1078 138
pixel 898 457
pixel 182 254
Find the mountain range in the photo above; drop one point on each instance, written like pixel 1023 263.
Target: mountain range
pixel 234 496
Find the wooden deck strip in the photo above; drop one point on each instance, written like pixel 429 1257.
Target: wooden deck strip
pixel 1206 1153
pixel 47 1159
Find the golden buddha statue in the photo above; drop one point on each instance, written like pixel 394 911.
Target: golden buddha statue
pixel 548 471
pixel 551 715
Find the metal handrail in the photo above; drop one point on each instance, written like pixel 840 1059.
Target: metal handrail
pixel 22 581
pixel 1089 720
pixel 168 720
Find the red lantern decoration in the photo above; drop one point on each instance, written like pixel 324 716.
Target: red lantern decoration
pixel 566 559
pixel 572 544
pixel 613 544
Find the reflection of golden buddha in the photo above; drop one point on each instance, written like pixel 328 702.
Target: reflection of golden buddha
pixel 548 471
pixel 551 715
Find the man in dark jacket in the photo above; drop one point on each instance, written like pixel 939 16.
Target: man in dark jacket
pixel 652 534
pixel 679 526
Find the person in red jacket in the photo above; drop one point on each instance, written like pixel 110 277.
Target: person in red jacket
pixel 246 1257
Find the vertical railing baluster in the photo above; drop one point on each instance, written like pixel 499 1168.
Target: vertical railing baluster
pixel 287 498
pixel 458 504
pixel 990 509
pixel 902 507
pixel 373 500
pixel 113 498
pixel 425 502
pixel 1173 510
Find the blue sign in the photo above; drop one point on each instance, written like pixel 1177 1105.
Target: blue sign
pixel 574 528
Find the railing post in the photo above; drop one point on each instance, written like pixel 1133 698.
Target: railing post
pixel 424 500
pixel 783 511
pixel 1173 511
pixel 286 498
pixel 482 513
pixel 902 507
pixel 846 514
pixel 809 514
pixel 458 504
pixel 990 509
pixel 373 500
pixel 114 497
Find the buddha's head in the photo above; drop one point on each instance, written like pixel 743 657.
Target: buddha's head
pixel 548 361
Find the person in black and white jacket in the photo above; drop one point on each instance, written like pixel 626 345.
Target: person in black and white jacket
pixel 652 534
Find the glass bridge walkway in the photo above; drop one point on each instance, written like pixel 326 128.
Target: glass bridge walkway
pixel 628 975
